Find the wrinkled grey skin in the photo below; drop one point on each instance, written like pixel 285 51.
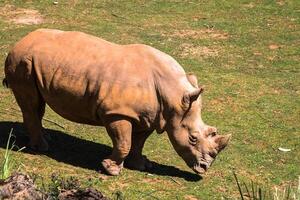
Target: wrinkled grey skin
pixel 132 90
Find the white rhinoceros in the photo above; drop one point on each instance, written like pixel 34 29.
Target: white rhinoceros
pixel 132 90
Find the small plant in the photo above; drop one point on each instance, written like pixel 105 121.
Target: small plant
pixel 8 163
pixel 59 184
pixel 256 192
pixel 118 195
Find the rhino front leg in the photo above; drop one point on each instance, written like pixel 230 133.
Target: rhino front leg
pixel 119 131
pixel 135 159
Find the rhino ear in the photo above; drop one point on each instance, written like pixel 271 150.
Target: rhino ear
pixel 222 141
pixel 192 78
pixel 190 97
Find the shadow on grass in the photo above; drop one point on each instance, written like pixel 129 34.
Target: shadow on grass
pixel 79 152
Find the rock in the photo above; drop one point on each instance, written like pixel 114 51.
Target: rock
pixel 284 149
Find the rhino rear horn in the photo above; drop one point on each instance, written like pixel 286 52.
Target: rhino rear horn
pixel 190 97
pixel 195 94
pixel 192 78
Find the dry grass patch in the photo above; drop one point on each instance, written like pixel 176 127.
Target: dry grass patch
pixel 189 50
pixel 207 33
pixel 118 186
pixel 21 15
pixel 249 5
pixel 190 197
pixel 280 3
pixel 274 46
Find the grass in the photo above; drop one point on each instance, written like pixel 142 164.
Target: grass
pixel 58 184
pixel 246 53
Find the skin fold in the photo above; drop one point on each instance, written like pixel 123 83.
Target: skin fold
pixel 131 90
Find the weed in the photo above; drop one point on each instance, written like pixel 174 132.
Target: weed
pixel 8 162
pixel 287 193
pixel 118 195
pixel 257 192
pixel 59 184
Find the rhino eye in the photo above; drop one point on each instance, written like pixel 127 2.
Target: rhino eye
pixel 213 134
pixel 213 154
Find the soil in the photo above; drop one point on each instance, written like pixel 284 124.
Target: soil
pixel 21 15
pixel 20 186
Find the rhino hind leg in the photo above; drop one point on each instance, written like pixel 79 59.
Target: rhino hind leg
pixel 135 159
pixel 119 131
pixel 33 111
pixel 33 107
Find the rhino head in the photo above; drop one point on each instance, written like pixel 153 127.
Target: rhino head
pixel 197 143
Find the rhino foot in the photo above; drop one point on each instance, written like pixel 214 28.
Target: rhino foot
pixel 141 163
pixel 42 146
pixel 47 136
pixel 111 167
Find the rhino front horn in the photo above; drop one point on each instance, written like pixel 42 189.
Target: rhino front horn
pixel 223 141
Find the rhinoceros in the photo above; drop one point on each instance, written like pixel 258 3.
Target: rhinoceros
pixel 131 90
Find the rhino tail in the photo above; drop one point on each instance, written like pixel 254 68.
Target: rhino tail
pixel 7 64
pixel 5 83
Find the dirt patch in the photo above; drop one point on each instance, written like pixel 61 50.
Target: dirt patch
pixel 20 186
pixel 21 15
pixel 189 50
pixel 199 34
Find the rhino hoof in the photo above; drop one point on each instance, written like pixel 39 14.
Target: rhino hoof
pixel 41 147
pixel 140 164
pixel 111 167
pixel 47 136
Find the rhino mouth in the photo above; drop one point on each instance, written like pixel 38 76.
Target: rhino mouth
pixel 200 167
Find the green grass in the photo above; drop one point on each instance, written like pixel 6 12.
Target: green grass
pixel 252 91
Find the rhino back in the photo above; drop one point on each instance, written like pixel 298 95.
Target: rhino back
pixel 84 78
